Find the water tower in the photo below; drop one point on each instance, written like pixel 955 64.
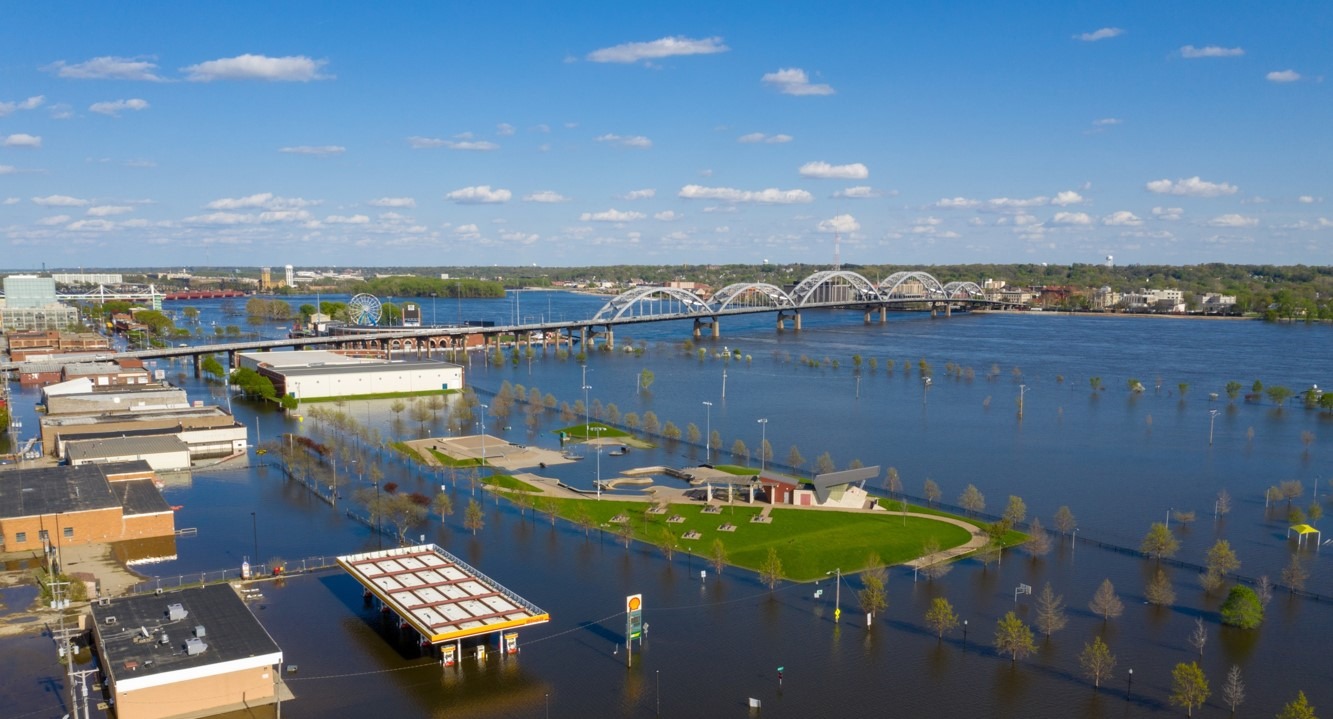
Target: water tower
pixel 1110 260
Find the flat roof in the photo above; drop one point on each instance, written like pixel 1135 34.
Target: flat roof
pixel 231 633
pixel 94 449
pixel 440 595
pixel 140 496
pixel 378 366
pixel 52 490
pixel 302 358
pixel 147 415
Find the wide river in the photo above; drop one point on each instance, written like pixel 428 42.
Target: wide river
pixel 1120 460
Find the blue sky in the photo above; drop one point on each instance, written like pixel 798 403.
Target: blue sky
pixel 332 134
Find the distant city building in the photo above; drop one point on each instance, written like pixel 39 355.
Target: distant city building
pixel 266 278
pixel 411 315
pixel 88 278
pixel 318 374
pixel 30 304
pixel 290 275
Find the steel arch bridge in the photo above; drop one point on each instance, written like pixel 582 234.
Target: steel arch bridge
pixel 963 290
pixel 751 294
pixel 650 301
pixel 835 286
pixel 911 285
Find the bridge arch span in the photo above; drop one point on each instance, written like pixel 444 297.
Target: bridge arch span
pixel 962 290
pixel 751 294
pixel 895 286
pixel 647 301
pixel 835 286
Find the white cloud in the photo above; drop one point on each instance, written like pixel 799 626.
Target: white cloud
pixel 1283 76
pixel 504 129
pixel 1015 203
pixel 1233 220
pixel 860 192
pixel 22 139
pixel 469 230
pixel 313 150
pixel 839 224
pixel 8 169
pixel 91 225
pixel 59 201
pixel 1308 199
pixel 393 202
pixel 115 107
pixel 956 203
pixel 292 68
pixel 1072 218
pixel 109 210
pixel 1066 198
pixel 644 194
pixel 31 103
pixel 425 143
pixel 794 81
pixel 636 141
pixel 54 220
pixel 1107 121
pixel 666 216
pixel 547 196
pixel 479 195
pixel 262 200
pixel 11 201
pixel 766 139
pixel 665 47
pixel 823 170
pixel 1191 187
pixel 769 196
pixel 1191 52
pixel 1122 218
pixel 1101 34
pixel 611 216
pixel 107 68
pixel 347 220
pixel 1169 214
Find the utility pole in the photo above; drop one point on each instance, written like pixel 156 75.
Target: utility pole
pixel 1022 390
pixel 1212 417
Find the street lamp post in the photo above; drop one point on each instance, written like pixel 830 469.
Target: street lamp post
pixel 598 484
pixel 1168 516
pixel 1212 417
pixel 925 385
pixel 1131 681
pixel 483 432
pixel 708 432
pixel 837 593
pixel 254 528
pixel 1022 390
pixel 763 443
pixel 586 420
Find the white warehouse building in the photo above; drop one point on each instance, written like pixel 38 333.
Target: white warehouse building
pixel 321 374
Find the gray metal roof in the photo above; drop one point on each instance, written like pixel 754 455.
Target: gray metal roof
pixel 230 631
pixel 94 449
pixel 52 490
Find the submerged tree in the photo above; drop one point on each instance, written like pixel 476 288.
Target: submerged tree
pixel 770 570
pixel 1013 637
pixel 874 595
pixel 1189 687
pixel 1051 616
pixel 940 617
pixel 1064 520
pixel 1233 690
pixel 1159 591
pixel 1298 708
pixel 1097 661
pixel 972 499
pixel 1105 603
pixel 1159 543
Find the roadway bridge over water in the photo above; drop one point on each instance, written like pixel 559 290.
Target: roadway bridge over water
pixel 826 290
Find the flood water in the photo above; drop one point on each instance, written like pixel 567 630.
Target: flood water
pixel 1119 460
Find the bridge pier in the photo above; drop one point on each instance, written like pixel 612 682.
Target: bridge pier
pixel 795 317
pixel 716 331
pixel 198 371
pixel 610 340
pixel 883 314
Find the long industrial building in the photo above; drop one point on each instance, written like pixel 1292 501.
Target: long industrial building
pixel 319 374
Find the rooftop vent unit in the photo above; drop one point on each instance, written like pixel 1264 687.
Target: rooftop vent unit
pixel 110 620
pixel 176 612
pixel 163 639
pixel 194 646
pixel 199 631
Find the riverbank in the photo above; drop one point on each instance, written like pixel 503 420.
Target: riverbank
pixel 1143 315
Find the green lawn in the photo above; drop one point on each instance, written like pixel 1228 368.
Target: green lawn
pixel 448 461
pixel 809 543
pixel 504 481
pixel 737 470
pixel 583 431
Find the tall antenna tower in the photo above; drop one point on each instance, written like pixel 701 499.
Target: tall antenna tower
pixel 837 251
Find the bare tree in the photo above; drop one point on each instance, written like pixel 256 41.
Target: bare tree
pixel 1051 616
pixel 972 499
pixel 1233 689
pixel 932 491
pixel 874 595
pixel 718 556
pixel 1064 520
pixel 1105 602
pixel 1199 637
pixel 1295 574
pixel 1038 543
pixel 1264 590
pixel 1159 591
pixel 1222 506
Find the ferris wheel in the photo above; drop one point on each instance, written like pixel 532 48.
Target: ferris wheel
pixel 364 309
